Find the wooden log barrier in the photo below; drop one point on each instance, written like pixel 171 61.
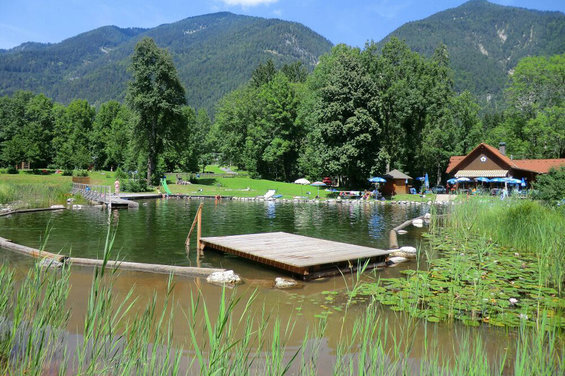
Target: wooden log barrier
pixel 122 265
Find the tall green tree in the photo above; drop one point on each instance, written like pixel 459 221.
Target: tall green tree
pixel 72 139
pixel 26 129
pixel 342 116
pixel 156 96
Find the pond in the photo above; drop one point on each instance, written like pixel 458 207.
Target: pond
pixel 156 231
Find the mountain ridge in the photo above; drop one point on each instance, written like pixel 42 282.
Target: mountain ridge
pixel 213 53
pixel 485 41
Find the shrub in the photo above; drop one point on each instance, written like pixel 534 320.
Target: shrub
pixel 81 173
pixel 12 170
pixel 551 186
pixel 121 174
pixel 67 173
pixel 135 185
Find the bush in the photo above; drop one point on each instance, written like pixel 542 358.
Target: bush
pixel 42 171
pixel 121 174
pixel 81 173
pixel 67 173
pixel 12 170
pixel 551 186
pixel 134 185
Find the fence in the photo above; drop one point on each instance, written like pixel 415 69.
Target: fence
pixel 101 193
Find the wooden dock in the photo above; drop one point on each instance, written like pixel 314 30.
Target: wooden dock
pixel 300 255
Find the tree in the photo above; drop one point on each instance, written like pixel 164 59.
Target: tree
pixel 26 129
pixel 342 117
pixel 156 97
pixel 73 127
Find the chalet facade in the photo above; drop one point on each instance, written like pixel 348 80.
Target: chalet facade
pixel 490 162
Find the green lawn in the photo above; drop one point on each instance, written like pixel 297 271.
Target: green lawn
pixel 239 186
pixel 245 187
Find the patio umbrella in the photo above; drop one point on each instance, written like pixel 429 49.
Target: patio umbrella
pixel 318 184
pixel 452 181
pixel 377 179
pixel 498 180
pixel 483 180
pixel 427 181
pixel 302 181
pixel 462 180
pixel 523 183
pixel 421 178
pixel 512 181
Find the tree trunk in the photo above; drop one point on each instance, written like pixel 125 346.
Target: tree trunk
pixel 152 153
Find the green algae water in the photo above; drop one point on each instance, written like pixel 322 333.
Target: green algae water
pixel 155 233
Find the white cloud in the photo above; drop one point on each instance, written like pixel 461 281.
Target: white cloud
pixel 248 3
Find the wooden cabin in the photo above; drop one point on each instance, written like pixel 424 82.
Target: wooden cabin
pixel 490 162
pixel 397 182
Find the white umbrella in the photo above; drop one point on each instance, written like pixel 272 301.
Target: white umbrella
pixel 302 181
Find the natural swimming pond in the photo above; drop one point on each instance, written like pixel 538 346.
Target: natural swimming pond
pixel 155 233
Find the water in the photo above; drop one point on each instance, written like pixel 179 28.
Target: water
pixel 156 232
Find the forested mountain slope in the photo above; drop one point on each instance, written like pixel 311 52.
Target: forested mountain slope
pixel 214 54
pixel 485 41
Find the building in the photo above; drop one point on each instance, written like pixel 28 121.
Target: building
pixel 396 183
pixel 490 162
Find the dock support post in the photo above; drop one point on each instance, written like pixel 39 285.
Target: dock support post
pixel 199 231
pixel 196 222
pixel 393 241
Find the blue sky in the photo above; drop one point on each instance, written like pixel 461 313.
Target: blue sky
pixel 352 22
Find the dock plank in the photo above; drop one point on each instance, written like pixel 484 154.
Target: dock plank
pixel 295 253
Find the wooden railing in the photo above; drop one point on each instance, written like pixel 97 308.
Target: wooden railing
pixel 101 193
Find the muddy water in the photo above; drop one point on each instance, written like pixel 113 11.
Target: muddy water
pixel 155 233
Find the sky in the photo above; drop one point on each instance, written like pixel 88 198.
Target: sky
pixel 352 22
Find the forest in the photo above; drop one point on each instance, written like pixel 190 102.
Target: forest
pixel 359 113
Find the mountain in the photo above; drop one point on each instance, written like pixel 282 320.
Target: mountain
pixel 213 53
pixel 485 41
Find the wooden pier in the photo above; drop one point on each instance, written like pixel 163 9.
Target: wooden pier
pixel 300 255
pixel 103 195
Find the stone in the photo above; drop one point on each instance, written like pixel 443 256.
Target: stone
pixel 57 206
pixel 77 206
pixel 402 254
pixel 418 222
pixel 408 249
pixel 427 216
pixel 394 260
pixel 50 263
pixel 285 283
pixel 402 232
pixel 224 278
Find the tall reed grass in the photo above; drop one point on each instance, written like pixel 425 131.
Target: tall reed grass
pixel 20 196
pixel 524 225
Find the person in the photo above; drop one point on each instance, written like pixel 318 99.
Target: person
pixel 117 187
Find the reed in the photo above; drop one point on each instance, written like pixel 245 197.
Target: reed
pixel 23 196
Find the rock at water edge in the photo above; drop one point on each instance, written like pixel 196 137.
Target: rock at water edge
pixel 285 283
pixel 227 277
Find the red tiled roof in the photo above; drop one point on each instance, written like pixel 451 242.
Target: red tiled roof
pixel 454 161
pixel 541 166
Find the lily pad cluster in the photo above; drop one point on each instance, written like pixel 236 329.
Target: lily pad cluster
pixel 474 281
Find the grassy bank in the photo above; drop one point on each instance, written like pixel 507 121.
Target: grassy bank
pixel 491 262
